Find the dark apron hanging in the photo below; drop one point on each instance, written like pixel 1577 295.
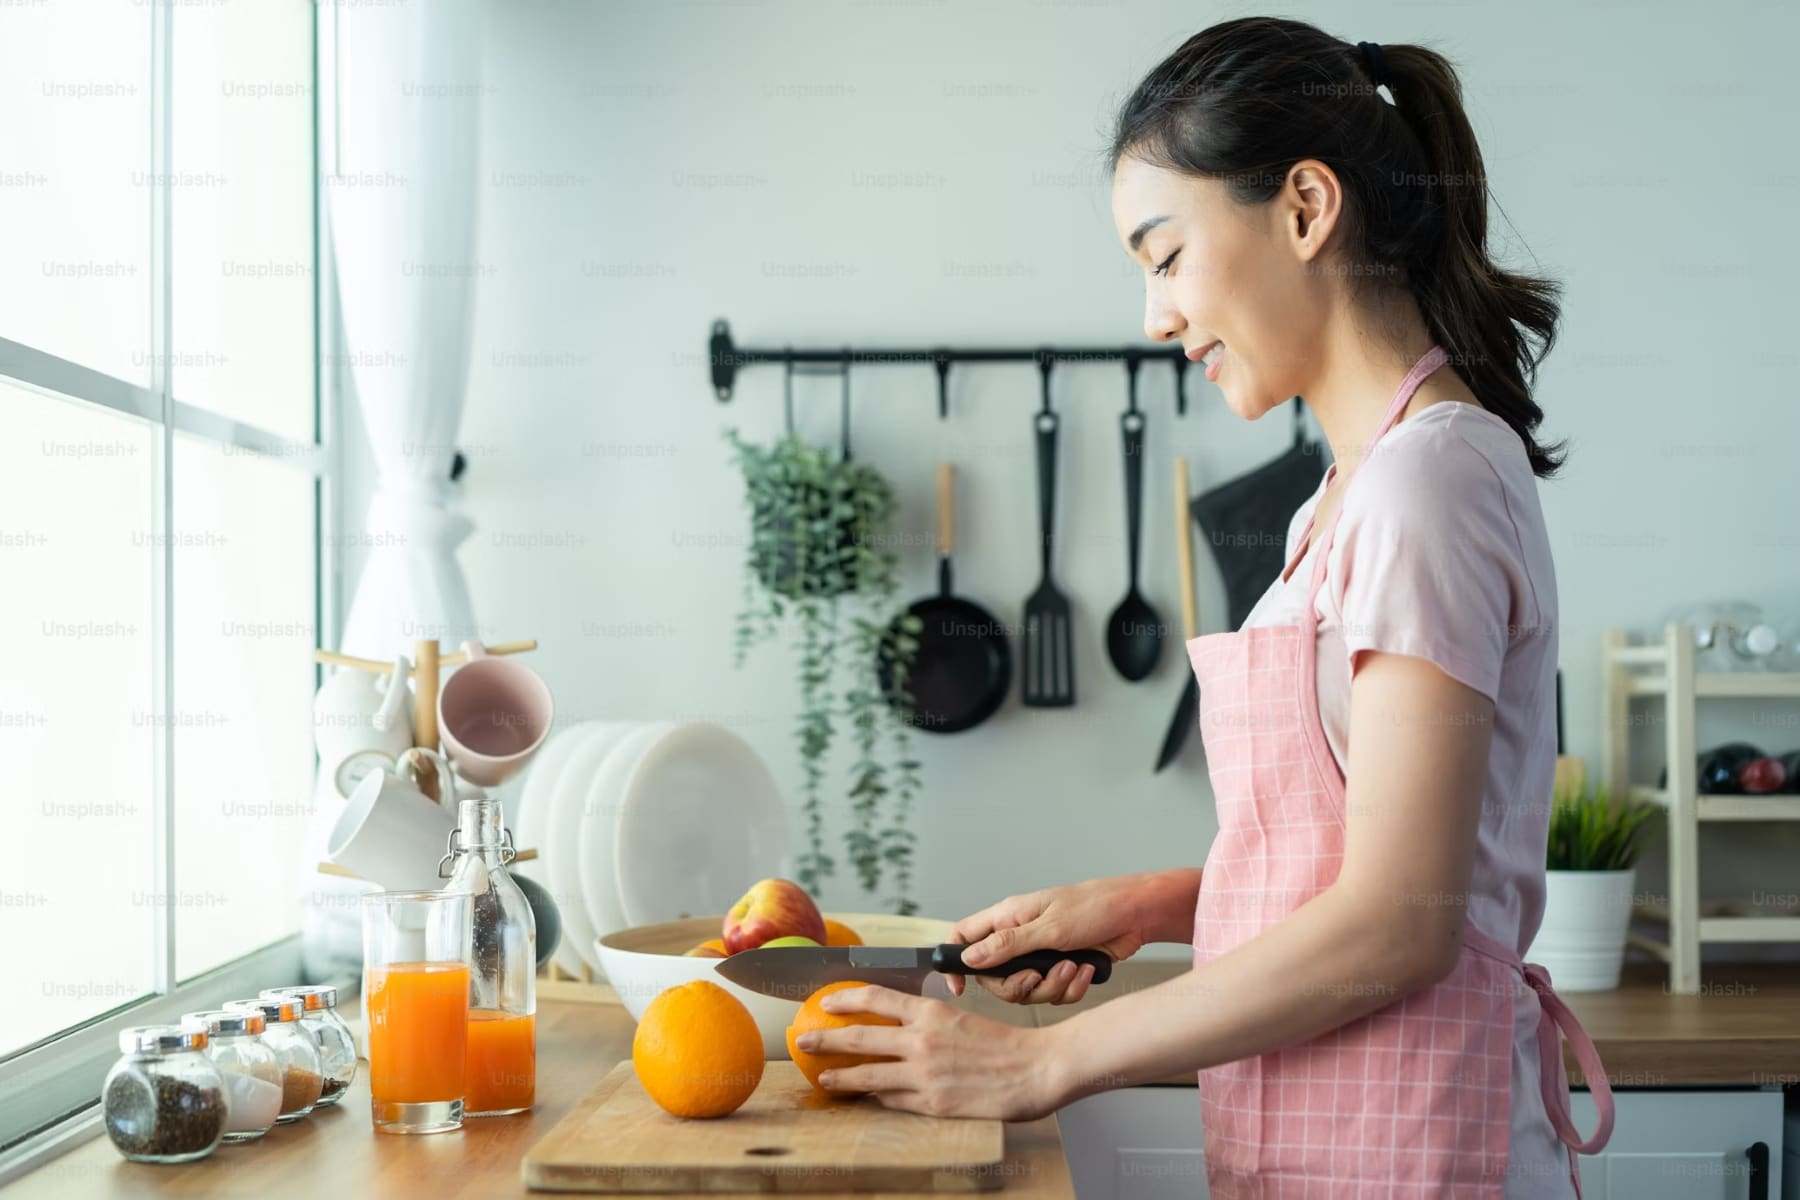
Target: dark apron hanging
pixel 1246 520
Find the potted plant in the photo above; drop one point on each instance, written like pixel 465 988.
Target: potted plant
pixel 1589 877
pixel 820 556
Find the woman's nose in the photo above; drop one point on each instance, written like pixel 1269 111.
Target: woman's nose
pixel 1162 322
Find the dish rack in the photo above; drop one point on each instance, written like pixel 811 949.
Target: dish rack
pixel 1666 669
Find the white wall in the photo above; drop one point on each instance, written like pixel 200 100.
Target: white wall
pixel 912 172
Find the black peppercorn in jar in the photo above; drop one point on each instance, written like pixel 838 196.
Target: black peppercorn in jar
pixel 163 1101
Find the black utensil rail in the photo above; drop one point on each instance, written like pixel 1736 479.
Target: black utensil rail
pixel 725 358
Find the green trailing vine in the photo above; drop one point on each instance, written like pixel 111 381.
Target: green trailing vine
pixel 820 549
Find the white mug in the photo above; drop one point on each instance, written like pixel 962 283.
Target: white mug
pixel 392 834
pixel 355 710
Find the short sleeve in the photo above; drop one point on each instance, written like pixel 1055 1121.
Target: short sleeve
pixel 1428 562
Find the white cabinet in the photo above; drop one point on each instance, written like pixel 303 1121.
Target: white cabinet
pixel 1145 1144
pixel 1685 1146
pixel 1135 1144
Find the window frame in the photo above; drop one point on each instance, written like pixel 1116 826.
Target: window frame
pixel 49 1091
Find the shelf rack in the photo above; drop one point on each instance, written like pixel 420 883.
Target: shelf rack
pixel 1666 669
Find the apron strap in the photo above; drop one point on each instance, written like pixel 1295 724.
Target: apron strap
pixel 1428 362
pixel 1555 1021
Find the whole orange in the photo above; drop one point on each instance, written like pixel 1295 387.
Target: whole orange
pixel 839 934
pixel 697 1051
pixel 811 1017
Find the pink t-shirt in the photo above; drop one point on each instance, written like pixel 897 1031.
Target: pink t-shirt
pixel 1441 553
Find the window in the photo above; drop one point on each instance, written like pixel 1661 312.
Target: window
pixel 161 479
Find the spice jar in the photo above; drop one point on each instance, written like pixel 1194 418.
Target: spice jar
pixel 337 1048
pixel 302 1078
pixel 163 1101
pixel 250 1069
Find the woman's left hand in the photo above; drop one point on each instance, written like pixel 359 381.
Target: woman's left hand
pixel 950 1063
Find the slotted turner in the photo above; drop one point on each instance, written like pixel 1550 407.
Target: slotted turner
pixel 1048 675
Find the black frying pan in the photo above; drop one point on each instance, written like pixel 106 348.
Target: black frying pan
pixel 962 667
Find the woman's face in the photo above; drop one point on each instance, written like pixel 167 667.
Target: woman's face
pixel 1218 271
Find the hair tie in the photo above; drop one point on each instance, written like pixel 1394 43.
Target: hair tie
pixel 1375 62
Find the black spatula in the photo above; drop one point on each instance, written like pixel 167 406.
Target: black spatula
pixel 1048 669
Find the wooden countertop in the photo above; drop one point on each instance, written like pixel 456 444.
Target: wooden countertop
pixel 1745 1030
pixel 335 1154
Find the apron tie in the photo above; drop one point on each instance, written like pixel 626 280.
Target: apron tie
pixel 1556 1022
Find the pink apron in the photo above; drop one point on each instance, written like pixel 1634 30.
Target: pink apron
pixel 1414 1099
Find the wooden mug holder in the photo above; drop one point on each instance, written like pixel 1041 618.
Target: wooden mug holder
pixel 428 665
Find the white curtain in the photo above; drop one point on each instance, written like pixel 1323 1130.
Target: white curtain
pixel 400 202
pixel 402 220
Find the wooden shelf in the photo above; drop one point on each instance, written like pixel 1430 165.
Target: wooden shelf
pixel 1632 670
pixel 1727 808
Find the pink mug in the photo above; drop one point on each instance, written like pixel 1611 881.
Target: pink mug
pixel 493 714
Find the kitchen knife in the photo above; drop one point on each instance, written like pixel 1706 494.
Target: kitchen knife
pixel 796 972
pixel 1187 708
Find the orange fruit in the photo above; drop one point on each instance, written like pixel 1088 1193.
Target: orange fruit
pixel 697 1051
pixel 839 934
pixel 710 948
pixel 811 1017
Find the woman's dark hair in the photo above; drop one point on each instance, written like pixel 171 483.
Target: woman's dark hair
pixel 1245 100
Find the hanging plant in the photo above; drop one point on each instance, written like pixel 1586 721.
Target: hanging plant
pixel 821 554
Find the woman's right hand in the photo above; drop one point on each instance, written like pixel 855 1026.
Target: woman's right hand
pixel 1101 914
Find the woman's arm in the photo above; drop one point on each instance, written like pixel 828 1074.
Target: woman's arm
pixel 1391 923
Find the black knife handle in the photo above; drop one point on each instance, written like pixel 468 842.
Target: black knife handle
pixel 947 960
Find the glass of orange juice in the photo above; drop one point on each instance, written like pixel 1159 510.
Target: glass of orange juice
pixel 416 953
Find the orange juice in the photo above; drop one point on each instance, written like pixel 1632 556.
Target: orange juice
pixel 502 1062
pixel 418 1018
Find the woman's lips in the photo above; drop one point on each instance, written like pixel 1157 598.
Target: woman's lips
pixel 1215 351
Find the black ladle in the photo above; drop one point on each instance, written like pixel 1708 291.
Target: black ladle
pixel 1134 632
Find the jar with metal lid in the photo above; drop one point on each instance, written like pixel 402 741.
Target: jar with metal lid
pixel 163 1101
pixel 302 1074
pixel 250 1069
pixel 337 1047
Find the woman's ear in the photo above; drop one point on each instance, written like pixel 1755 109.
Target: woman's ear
pixel 1312 200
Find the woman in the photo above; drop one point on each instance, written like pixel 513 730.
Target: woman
pixel 1357 1011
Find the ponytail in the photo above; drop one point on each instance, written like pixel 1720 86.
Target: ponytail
pixel 1244 100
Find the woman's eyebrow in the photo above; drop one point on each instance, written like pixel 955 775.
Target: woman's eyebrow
pixel 1137 235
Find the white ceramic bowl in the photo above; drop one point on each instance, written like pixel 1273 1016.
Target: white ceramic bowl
pixel 645 961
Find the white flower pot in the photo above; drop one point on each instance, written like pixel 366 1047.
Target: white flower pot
pixel 1582 940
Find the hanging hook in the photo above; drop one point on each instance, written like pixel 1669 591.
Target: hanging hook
pixel 941 358
pixel 787 396
pixel 1133 360
pixel 1046 361
pixel 1181 366
pixel 846 404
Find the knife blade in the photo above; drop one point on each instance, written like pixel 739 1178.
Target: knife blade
pixel 1181 723
pixel 796 972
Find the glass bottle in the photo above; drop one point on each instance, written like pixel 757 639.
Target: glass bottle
pixel 502 1043
pixel 337 1046
pixel 302 1074
pixel 251 1071
pixel 163 1101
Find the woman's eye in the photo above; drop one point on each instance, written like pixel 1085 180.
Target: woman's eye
pixel 1162 268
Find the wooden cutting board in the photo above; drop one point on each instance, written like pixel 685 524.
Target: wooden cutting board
pixel 788 1137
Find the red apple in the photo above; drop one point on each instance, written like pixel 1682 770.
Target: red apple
pixel 771 909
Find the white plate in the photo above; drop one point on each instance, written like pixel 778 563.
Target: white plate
pixel 700 820
pixel 600 819
pixel 560 826
pixel 531 818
